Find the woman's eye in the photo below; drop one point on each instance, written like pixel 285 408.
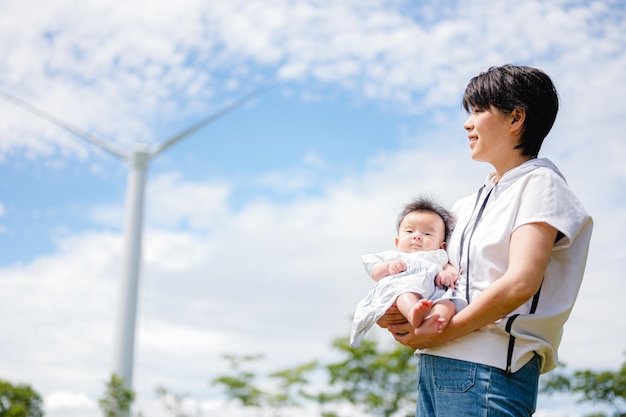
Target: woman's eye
pixel 477 110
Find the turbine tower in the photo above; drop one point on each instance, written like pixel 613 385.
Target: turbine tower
pixel 138 160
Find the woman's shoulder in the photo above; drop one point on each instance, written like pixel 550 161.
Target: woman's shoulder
pixel 538 179
pixel 547 181
pixel 541 169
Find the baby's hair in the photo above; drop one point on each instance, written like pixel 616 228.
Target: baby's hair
pixel 425 204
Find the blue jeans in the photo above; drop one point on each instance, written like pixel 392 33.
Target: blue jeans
pixel 453 388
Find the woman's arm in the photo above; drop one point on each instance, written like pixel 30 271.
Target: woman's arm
pixel 529 252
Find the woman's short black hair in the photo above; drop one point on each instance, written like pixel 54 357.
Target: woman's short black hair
pixel 511 87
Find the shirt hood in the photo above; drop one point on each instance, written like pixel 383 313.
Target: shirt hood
pixel 519 171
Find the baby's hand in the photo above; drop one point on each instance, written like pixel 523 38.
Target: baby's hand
pixel 395 267
pixel 447 278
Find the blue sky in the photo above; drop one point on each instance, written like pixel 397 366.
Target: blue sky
pixel 270 133
pixel 254 225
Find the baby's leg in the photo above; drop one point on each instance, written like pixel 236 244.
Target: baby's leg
pixel 413 307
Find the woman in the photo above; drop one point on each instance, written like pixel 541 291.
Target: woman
pixel 520 245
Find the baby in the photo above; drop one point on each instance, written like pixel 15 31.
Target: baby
pixel 414 274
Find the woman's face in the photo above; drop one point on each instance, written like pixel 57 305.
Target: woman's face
pixel 489 132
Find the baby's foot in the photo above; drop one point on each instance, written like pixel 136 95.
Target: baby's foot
pixel 418 312
pixel 441 324
pixel 432 324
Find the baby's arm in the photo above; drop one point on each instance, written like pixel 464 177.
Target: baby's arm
pixel 447 277
pixel 387 268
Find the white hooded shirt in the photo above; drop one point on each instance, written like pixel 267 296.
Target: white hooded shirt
pixel 534 192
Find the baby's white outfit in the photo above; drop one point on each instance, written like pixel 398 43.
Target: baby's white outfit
pixel 421 269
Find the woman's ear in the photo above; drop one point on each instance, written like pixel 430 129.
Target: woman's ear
pixel 518 117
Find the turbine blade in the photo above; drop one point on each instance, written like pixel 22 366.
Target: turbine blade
pixel 109 147
pixel 209 119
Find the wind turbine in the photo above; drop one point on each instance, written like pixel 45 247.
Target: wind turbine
pixel 138 159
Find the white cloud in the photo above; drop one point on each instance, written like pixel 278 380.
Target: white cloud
pixel 136 65
pixel 173 201
pixel 59 400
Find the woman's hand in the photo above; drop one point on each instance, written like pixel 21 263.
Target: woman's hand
pixel 429 334
pixel 392 317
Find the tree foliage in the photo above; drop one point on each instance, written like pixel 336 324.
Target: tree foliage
pixel 599 387
pixel 19 401
pixel 383 382
pixel 174 403
pixel 368 379
pixel 117 399
pixel 240 385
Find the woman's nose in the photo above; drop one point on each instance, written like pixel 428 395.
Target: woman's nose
pixel 469 123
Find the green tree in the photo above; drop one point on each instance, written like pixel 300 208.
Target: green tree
pixel 376 382
pixel 380 383
pixel 240 386
pixel 599 387
pixel 19 401
pixel 290 384
pixel 117 399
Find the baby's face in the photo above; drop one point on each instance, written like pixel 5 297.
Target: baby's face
pixel 421 231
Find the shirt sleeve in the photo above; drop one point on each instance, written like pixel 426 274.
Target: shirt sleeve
pixel 372 259
pixel 546 198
